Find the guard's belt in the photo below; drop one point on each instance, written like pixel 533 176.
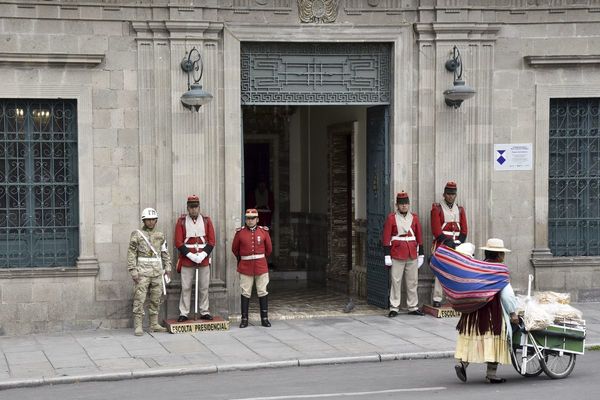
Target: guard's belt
pixel 194 246
pixel 149 259
pixel 404 238
pixel 253 257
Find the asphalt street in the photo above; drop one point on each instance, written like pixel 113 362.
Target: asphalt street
pixel 414 379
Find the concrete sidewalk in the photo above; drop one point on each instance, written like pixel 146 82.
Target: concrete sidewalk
pixel 118 354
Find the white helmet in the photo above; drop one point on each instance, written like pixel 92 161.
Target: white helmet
pixel 149 213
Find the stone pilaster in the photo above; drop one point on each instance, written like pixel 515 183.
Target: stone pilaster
pixel 456 144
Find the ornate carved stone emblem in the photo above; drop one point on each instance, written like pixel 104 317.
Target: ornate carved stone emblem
pixel 318 11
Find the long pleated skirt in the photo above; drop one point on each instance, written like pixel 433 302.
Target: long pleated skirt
pixel 477 348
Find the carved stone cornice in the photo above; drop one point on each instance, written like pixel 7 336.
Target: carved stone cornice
pixel 456 31
pixel 177 29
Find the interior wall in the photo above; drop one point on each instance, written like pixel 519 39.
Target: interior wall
pixel 298 160
pixel 308 157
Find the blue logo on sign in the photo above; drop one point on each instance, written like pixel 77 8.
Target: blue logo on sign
pixel 501 160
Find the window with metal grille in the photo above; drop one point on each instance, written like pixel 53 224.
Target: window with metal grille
pixel 39 222
pixel 574 186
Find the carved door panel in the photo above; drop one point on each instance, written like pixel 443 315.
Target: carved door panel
pixel 378 195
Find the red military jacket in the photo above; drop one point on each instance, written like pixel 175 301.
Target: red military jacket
pixel 440 232
pixel 193 244
pixel 405 246
pixel 252 247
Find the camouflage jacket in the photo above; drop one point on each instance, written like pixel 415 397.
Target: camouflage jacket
pixel 141 260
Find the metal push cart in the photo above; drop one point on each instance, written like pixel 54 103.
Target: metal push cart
pixel 552 350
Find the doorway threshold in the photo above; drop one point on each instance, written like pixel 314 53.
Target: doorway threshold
pixel 300 299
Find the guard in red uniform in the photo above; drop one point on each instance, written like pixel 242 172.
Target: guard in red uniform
pixel 448 226
pixel 195 240
pixel 251 246
pixel 403 248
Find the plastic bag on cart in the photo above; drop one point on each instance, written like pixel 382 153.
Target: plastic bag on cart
pixel 548 297
pixel 564 312
pixel 536 317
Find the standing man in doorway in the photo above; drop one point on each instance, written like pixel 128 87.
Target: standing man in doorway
pixel 261 198
pixel 403 248
pixel 148 259
pixel 449 227
pixel 251 246
pixel 195 240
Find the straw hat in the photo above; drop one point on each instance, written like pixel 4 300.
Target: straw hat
pixel 495 244
pixel 467 249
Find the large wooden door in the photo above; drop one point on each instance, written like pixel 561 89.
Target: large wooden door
pixel 378 196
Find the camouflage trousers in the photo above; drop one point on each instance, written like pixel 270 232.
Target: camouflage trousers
pixel 151 286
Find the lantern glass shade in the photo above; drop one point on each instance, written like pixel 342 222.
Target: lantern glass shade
pixel 458 93
pixel 196 97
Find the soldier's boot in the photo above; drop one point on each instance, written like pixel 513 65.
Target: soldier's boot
pixel 264 311
pixel 137 325
pixel 245 306
pixel 155 326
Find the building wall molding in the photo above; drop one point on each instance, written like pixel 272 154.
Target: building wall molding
pixel 35 273
pixel 575 60
pixel 465 32
pixel 38 59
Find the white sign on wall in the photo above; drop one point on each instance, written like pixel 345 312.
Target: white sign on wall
pixel 513 157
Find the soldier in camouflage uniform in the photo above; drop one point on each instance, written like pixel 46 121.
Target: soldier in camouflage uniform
pixel 148 260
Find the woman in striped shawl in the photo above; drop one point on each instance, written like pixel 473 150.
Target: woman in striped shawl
pixel 484 334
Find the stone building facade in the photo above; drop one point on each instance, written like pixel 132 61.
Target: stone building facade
pixel 534 65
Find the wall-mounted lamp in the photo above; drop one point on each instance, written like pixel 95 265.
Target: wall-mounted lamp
pixel 195 97
pixel 459 91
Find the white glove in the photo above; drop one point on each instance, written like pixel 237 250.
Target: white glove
pixel 388 261
pixel 201 256
pixel 421 260
pixel 194 257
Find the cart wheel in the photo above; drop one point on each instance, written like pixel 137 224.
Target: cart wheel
pixel 534 367
pixel 557 365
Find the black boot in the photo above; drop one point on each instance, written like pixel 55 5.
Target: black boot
pixel 245 305
pixel 264 311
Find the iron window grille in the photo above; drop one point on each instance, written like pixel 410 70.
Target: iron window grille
pixel 574 177
pixel 39 221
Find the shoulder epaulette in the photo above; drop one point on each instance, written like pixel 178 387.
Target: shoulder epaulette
pixel 239 229
pixel 264 228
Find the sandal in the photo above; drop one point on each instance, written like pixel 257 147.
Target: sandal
pixel 461 372
pixel 494 379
